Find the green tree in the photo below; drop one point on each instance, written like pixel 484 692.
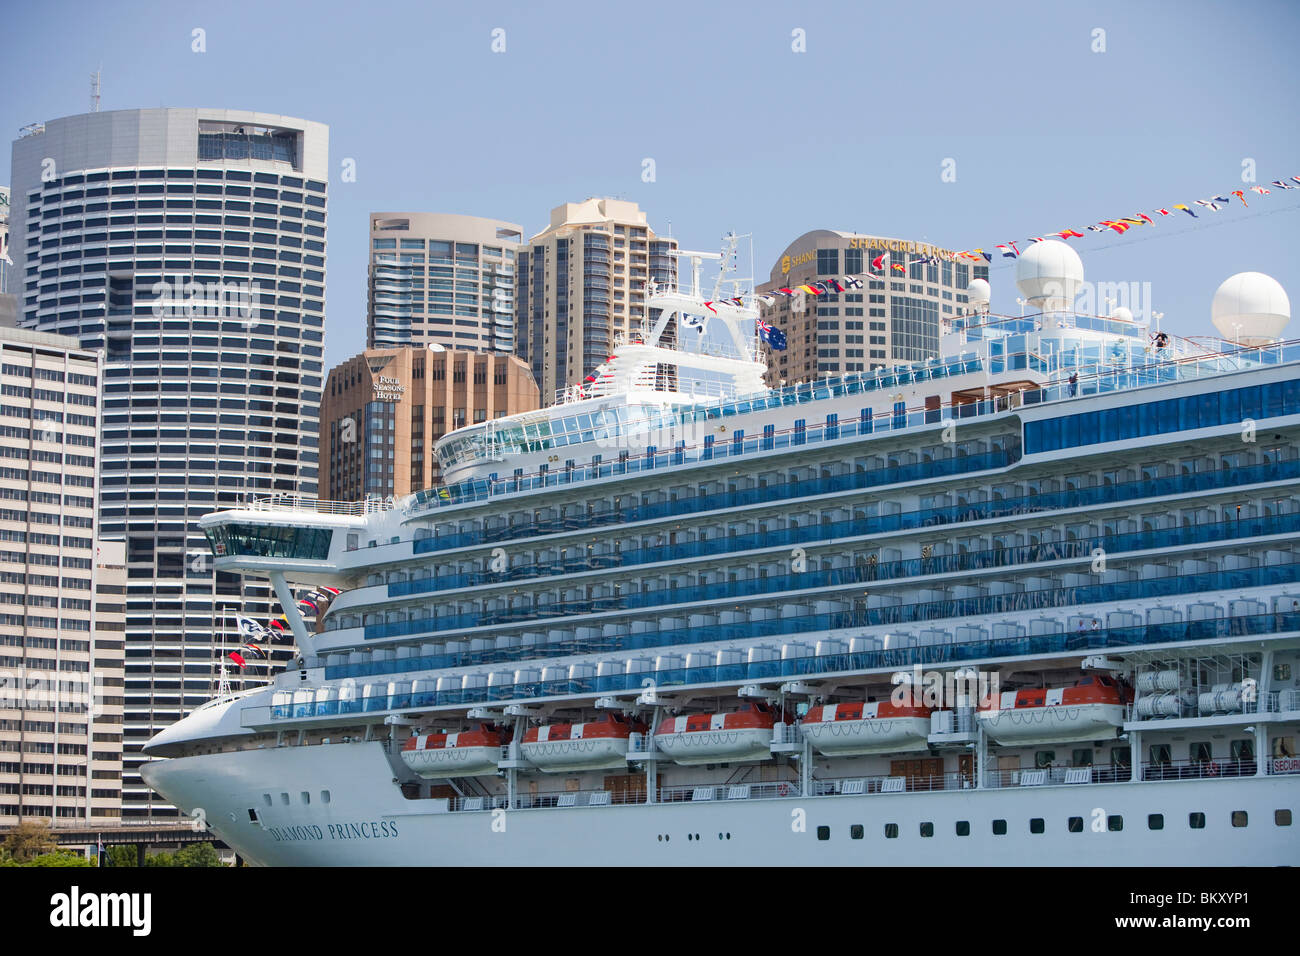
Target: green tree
pixel 160 859
pixel 121 855
pixel 197 854
pixel 59 858
pixel 28 840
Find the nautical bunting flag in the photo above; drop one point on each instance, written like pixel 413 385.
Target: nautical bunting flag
pixel 254 651
pixel 237 658
pixel 694 322
pixel 851 282
pixel 276 624
pixel 1259 189
pixel 250 629
pixel 1240 194
pixel 771 335
pixel 1281 184
pixel 879 261
pixel 1185 208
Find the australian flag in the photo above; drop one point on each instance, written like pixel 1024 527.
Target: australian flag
pixel 771 335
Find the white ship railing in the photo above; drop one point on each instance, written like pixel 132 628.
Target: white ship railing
pixel 288 502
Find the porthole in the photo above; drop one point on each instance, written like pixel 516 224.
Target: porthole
pixel 823 833
pixel 1075 824
pixel 1155 821
pixel 927 829
pixel 856 831
pixel 1239 818
pixel 963 828
pixel 891 831
pixel 1282 818
pixel 999 827
pixel 1037 825
pixel 1196 820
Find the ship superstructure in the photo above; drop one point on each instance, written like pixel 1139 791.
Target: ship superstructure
pixel 1039 594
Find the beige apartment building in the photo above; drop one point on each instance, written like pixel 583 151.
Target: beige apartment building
pixel 893 318
pixel 62 591
pixel 441 278
pixel 384 409
pixel 581 283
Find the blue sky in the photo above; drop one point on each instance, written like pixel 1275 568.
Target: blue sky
pixel 745 133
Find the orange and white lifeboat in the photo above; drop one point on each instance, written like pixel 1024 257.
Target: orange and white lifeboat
pixel 466 754
pixel 745 734
pixel 1091 710
pixel 598 745
pixel 841 730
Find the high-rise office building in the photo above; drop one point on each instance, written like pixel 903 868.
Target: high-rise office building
pixel 582 284
pixel 384 409
pixel 893 318
pixel 441 279
pixel 189 245
pixel 61 590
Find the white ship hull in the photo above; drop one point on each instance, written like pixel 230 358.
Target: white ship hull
pixel 368 823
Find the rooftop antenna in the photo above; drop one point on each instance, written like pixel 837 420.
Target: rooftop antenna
pixel 94 90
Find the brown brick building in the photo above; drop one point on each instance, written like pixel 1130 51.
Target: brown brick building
pixel 383 410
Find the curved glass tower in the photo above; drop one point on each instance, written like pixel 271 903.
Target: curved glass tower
pixel 189 245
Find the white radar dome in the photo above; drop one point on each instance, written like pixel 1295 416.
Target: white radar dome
pixel 1250 308
pixel 1123 313
pixel 978 292
pixel 1049 274
pixel 435 347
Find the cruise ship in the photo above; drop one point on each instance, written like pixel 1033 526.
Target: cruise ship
pixel 1033 601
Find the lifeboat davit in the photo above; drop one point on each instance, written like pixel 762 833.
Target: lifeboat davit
pixel 841 730
pixel 745 734
pixel 1091 710
pixel 467 754
pixel 598 745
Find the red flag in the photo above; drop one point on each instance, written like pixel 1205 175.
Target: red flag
pixel 1240 194
pixel 237 658
pixel 331 590
pixel 879 261
pixel 709 306
pixel 276 624
pixel 1067 233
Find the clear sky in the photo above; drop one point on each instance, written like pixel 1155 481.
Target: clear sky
pixel 745 133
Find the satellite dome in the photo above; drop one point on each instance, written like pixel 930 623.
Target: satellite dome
pixel 1049 274
pixel 1250 308
pixel 435 347
pixel 978 292
pixel 1123 313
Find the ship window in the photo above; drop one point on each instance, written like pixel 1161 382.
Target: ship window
pixel 999 827
pixel 252 815
pixel 963 828
pixel 1282 818
pixel 266 798
pixel 1044 758
pixel 823 833
pixel 1196 820
pixel 1239 818
pixel 1036 825
pixel 927 829
pixel 324 796
pixel 1114 823
pixel 1155 821
pixel 1075 825
pixel 306 797
pixel 891 831
pixel 284 799
pixel 855 831
pixel 1201 752
pixel 1159 753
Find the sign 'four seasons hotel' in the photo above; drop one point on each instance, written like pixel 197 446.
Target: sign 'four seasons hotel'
pixel 894 317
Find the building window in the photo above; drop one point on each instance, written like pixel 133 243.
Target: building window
pixel 828 262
